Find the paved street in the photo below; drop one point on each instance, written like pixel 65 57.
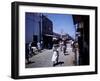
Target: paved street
pixel 43 59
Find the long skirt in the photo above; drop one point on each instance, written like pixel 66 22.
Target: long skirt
pixel 54 57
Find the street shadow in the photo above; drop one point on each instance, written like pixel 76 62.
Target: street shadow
pixel 30 62
pixel 59 63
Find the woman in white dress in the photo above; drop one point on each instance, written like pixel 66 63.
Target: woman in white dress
pixel 38 47
pixel 55 56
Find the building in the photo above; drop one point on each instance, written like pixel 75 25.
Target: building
pixel 47 32
pixel 81 23
pixel 32 26
pixel 61 37
pixel 38 28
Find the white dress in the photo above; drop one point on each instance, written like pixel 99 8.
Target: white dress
pixel 38 45
pixel 54 57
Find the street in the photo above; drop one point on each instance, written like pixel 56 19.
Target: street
pixel 43 59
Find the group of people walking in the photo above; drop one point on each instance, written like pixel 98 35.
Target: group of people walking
pixel 31 49
pixel 63 47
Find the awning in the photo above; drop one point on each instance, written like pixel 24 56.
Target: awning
pixel 49 35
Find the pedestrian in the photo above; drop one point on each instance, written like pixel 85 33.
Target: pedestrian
pixel 61 45
pixel 38 46
pixel 64 47
pixel 27 54
pixel 41 45
pixel 30 49
pixel 55 56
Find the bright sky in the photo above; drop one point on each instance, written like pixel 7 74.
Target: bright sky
pixel 62 23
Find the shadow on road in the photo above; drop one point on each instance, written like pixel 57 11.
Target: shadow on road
pixel 30 62
pixel 59 63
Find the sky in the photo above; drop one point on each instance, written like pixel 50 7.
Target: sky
pixel 62 23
